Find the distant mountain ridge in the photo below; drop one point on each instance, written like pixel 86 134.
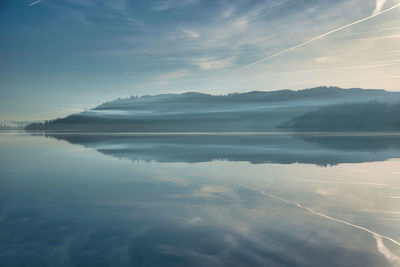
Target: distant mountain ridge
pixel 197 112
pixel 317 93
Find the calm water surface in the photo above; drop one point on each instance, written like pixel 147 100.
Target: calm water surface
pixel 199 200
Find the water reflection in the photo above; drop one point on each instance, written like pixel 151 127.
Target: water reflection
pixel 320 149
pixel 64 205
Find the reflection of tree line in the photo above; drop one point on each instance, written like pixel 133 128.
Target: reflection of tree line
pixel 356 143
pixel 321 150
pixel 12 127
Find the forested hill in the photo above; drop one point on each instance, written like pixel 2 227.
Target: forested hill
pixel 372 116
pixel 197 112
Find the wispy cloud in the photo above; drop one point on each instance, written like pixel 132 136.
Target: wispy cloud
pixel 174 75
pixel 379 6
pixel 192 34
pixel 35 3
pixel 396 36
pixel 323 59
pixel 364 66
pixel 171 4
pixel 322 36
pixel 204 46
pixel 209 63
pixel 228 12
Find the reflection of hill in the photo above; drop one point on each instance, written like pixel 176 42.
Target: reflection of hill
pixel 196 112
pixel 367 143
pixel 321 150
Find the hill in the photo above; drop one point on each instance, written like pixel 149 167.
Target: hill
pixel 371 116
pixel 197 112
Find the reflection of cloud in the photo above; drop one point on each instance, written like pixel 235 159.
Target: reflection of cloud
pixel 175 180
pixel 208 191
pixel 165 176
pixel 339 182
pixel 194 220
pixel 387 212
pixel 327 216
pixel 386 252
pixel 196 258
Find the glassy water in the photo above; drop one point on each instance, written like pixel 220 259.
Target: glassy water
pixel 199 200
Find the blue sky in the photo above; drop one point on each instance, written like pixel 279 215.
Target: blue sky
pixel 61 56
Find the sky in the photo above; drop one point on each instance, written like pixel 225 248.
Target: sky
pixel 59 57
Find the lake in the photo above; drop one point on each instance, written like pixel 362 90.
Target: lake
pixel 200 199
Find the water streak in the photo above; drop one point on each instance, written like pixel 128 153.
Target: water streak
pixel 376 235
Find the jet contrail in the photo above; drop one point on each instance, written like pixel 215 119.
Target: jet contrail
pixel 322 36
pixel 327 217
pixel 34 3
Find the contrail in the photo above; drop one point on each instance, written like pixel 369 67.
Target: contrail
pixel 328 217
pixel 34 3
pixel 322 36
